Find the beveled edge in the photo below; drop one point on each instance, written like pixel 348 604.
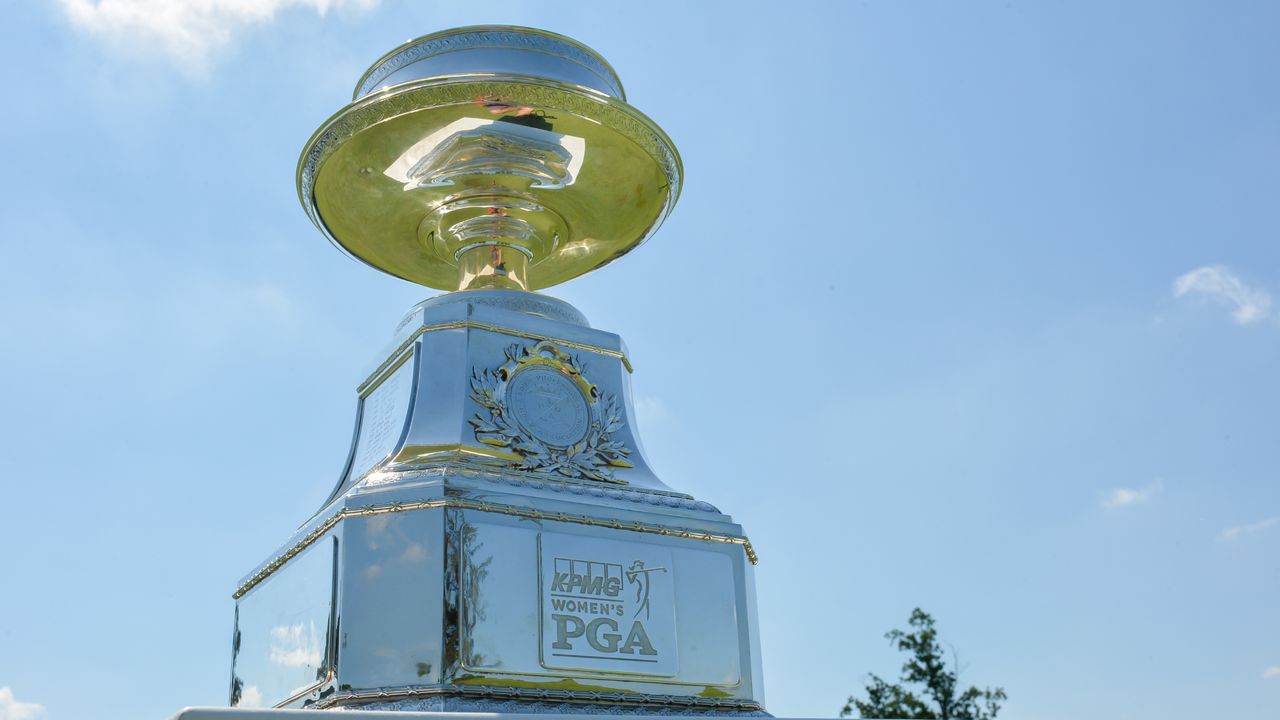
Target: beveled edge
pixel 402 55
pixel 610 112
pixel 695 703
pixel 510 692
pixel 291 551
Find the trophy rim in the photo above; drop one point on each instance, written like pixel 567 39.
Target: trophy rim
pixel 331 134
pixel 362 92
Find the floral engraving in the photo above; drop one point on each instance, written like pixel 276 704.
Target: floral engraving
pixel 594 456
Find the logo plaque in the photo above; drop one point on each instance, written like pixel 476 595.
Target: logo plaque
pixel 606 606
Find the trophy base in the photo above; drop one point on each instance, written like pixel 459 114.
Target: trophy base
pixel 476 554
pixel 513 712
pixel 543 708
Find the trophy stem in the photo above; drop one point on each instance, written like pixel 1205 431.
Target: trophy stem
pixel 493 266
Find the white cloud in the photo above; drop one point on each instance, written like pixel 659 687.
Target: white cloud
pixel 1217 284
pixel 1123 497
pixel 295 645
pixel 11 709
pixel 415 553
pixel 250 697
pixel 1232 533
pixel 186 30
pixel 1271 673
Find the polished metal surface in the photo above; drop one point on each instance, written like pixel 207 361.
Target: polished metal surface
pixel 466 383
pixel 492 49
pixel 493 157
pixel 497 540
pixel 536 560
pixel 284 641
pixel 579 712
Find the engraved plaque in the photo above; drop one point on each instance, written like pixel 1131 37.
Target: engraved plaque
pixel 549 406
pixel 383 414
pixel 606 606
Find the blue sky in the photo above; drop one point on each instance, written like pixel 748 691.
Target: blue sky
pixel 968 306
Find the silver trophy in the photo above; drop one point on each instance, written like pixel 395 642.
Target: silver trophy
pixel 496 540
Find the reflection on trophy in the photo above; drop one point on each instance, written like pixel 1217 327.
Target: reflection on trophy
pixel 496 540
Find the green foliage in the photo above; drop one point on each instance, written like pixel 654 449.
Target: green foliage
pixel 926 668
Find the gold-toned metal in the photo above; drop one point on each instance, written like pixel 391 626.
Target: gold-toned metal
pixel 548 354
pixel 411 179
pixel 464 504
pixel 393 363
pixel 410 455
pixel 493 267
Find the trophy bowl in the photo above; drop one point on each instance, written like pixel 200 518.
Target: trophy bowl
pixel 489 157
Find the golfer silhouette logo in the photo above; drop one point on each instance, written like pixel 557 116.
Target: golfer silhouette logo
pixel 638 575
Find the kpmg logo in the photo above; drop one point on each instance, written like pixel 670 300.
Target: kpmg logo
pixel 607 611
pixel 586 579
pixel 582 587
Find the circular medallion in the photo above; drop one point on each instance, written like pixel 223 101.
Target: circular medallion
pixel 549 406
pixel 538 407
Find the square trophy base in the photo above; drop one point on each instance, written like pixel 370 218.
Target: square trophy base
pixel 583 713
pixel 469 578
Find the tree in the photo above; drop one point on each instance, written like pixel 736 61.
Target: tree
pixel 937 698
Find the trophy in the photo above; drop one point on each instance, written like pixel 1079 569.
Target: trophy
pixel 496 540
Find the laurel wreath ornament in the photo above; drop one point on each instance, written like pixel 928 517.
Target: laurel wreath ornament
pixel 594 457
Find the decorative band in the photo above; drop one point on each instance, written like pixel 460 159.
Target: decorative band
pixel 465 504
pixel 552 694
